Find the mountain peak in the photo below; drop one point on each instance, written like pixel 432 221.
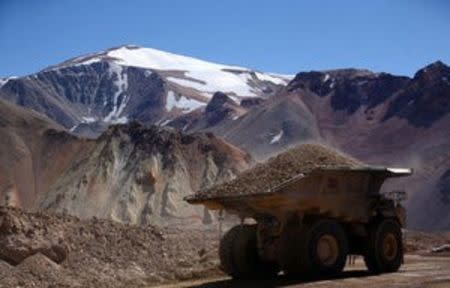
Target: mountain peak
pixel 206 77
pixel 436 69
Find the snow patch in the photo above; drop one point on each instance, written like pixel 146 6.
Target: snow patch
pixel 270 78
pixel 120 120
pixel 189 83
pixel 122 85
pixel 277 137
pixel 185 104
pixel 286 77
pixel 325 79
pixel 213 81
pixel 3 81
pixel 88 62
pixel 88 120
pixel 156 59
pixel 165 122
pixel 217 77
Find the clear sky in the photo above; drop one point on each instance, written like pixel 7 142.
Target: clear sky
pixel 276 36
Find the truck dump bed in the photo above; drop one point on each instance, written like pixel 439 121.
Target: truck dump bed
pixel 337 192
pixel 308 179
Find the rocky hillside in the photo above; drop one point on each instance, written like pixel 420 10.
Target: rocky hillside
pixel 129 174
pixel 140 175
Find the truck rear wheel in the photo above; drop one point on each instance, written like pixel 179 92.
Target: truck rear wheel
pixel 318 249
pixel 239 256
pixel 384 252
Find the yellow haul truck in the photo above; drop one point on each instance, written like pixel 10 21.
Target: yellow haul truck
pixel 308 225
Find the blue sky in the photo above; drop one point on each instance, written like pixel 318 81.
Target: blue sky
pixel 277 36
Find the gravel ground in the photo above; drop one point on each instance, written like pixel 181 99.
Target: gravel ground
pixel 416 272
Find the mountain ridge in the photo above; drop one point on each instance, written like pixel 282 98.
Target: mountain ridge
pixel 380 118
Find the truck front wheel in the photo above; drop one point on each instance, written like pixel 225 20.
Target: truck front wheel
pixel 316 250
pixel 239 256
pixel 384 252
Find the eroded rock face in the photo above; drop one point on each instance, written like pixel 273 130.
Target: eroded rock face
pixel 140 175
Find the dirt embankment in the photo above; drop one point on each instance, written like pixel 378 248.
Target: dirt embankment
pixel 262 177
pixel 55 250
pixel 427 243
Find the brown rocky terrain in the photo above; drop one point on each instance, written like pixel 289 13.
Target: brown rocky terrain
pixel 56 250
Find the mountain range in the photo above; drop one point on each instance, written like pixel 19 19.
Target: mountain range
pixel 126 133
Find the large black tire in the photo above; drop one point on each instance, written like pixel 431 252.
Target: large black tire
pixel 239 257
pixel 384 247
pixel 300 255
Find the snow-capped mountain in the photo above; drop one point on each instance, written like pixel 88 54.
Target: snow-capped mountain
pixel 88 93
pixel 188 72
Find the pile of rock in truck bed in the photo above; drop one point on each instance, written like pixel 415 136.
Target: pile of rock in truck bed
pixel 265 176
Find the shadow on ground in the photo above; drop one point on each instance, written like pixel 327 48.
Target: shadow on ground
pixel 279 281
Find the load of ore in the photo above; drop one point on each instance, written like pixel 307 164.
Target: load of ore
pixel 265 176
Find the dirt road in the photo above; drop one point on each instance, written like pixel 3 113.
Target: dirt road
pixel 417 272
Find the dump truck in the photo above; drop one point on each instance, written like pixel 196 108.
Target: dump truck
pixel 307 225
